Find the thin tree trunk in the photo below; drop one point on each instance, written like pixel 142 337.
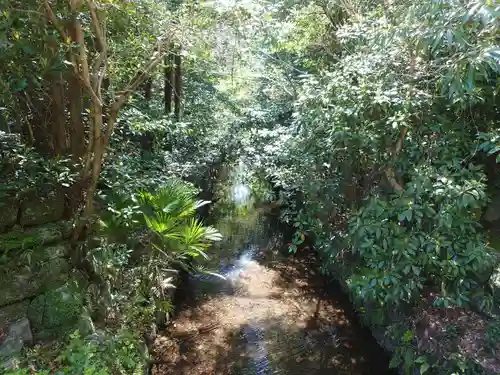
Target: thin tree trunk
pixel 77 130
pixel 57 108
pixel 25 118
pixel 178 87
pixel 168 82
pixel 75 97
pixel 148 90
pixel 39 120
pixel 58 115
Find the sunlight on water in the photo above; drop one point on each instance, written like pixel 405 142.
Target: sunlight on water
pixel 240 193
pixel 273 321
pixel 240 264
pixel 246 256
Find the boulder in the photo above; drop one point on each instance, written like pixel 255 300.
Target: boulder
pixel 9 314
pixel 18 238
pixel 56 312
pixel 8 214
pixel 19 334
pixel 43 208
pixel 23 281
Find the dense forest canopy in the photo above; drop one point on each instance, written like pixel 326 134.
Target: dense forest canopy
pixel 376 121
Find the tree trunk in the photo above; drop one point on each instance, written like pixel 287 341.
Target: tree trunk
pixel 39 122
pixel 148 90
pixel 348 181
pixel 77 130
pixel 58 115
pixel 178 87
pixel 169 79
pixel 75 97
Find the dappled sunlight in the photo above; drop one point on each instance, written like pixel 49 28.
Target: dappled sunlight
pixel 270 316
pixel 238 179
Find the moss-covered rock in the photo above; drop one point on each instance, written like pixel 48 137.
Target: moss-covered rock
pixel 20 282
pixel 11 313
pixel 26 239
pixel 19 334
pixel 43 208
pixel 8 214
pixel 55 313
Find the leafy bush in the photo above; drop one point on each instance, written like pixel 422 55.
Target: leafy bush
pixel 381 143
pixel 23 169
pixel 156 234
pixel 100 354
pixel 170 216
pixel 427 235
pixel 492 336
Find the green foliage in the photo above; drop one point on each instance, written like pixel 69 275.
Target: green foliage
pixel 169 214
pixel 395 96
pixel 23 170
pixel 157 233
pixel 381 142
pixel 106 355
pixel 405 355
pixel 54 313
pixel 492 336
pixel 100 354
pixel 378 122
pixel 426 235
pixel 490 143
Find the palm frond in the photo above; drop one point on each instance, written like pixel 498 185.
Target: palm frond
pixel 211 273
pixel 212 234
pixel 201 203
pixel 161 222
pixel 169 214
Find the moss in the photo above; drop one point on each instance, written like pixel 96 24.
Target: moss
pixel 56 312
pixel 20 282
pixel 11 313
pixel 8 214
pixel 26 239
pixel 43 208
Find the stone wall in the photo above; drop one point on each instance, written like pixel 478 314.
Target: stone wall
pixel 35 299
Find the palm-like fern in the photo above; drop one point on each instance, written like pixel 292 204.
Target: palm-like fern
pixel 176 200
pixel 177 237
pixel 176 234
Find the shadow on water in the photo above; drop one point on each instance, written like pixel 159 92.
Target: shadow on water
pixel 269 315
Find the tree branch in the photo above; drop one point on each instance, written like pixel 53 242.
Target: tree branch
pixel 84 74
pixel 52 18
pixel 139 78
pixel 98 28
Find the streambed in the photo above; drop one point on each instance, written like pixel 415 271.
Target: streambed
pixel 269 314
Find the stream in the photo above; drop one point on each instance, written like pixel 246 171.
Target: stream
pixel 270 313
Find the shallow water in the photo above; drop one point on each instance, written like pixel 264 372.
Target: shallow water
pixel 270 314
